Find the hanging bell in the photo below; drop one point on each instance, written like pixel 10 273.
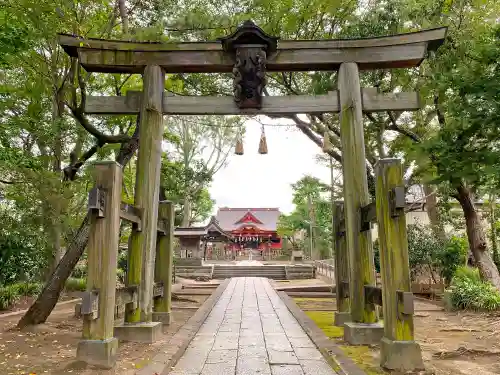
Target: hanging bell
pixel 238 150
pixel 263 143
pixel 327 143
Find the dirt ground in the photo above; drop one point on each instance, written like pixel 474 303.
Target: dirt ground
pixel 51 347
pixel 25 302
pixel 452 343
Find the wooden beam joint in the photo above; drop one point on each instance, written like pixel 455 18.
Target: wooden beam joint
pixel 96 201
pixel 131 214
pixel 158 290
pixel 405 303
pixel 90 304
pixel 368 216
pixel 373 295
pixel 343 289
pixel 397 201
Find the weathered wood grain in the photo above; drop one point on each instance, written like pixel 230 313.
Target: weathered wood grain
pixel 398 350
pixel 271 105
pixel 321 59
pixel 398 51
pixel 341 258
pixel 131 214
pixel 143 244
pixel 394 263
pixel 433 36
pixel 356 195
pixel 164 262
pixel 102 250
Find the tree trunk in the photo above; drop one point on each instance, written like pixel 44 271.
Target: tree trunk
pixel 433 213
pixel 187 146
pixel 55 203
pixel 123 15
pixel 477 238
pixel 493 231
pixel 44 304
pixel 40 310
pixel 186 212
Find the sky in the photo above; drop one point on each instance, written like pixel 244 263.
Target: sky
pixel 254 180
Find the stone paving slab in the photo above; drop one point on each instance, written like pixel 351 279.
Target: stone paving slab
pixel 250 331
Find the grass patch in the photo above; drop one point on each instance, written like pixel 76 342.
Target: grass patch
pixel 9 295
pixel 307 299
pixel 324 320
pixel 363 357
pixel 75 285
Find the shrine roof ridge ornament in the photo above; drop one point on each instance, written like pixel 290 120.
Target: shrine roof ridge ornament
pixel 114 56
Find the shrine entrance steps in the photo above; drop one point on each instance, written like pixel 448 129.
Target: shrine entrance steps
pixel 275 272
pixel 251 331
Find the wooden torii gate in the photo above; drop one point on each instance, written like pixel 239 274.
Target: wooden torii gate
pixel 249 53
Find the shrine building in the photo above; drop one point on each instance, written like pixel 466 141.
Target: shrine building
pixel 250 228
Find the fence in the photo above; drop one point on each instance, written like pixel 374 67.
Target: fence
pixel 325 268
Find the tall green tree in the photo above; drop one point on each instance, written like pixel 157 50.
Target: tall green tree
pixel 312 214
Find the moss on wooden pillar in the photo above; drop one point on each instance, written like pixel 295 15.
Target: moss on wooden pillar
pixel 98 346
pixel 398 349
pixel 143 244
pixel 164 263
pixel 356 195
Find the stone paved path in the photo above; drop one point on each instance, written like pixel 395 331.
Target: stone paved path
pixel 251 332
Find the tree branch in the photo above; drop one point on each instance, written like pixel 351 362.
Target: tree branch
pixel 101 137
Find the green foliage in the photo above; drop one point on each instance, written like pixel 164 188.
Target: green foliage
pixel 28 289
pixel 21 253
pixel 122 261
pixel 120 275
pixel 469 292
pixel 453 255
pixel 430 254
pixel 9 295
pixel 80 271
pixel 423 248
pixel 320 209
pixel 75 285
pixel 179 183
pixel 464 273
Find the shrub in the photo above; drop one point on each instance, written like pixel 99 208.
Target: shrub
pixel 469 292
pixel 8 296
pixel 120 275
pixel 451 256
pixel 75 285
pixel 122 260
pixel 430 254
pixel 28 289
pixel 80 271
pixel 467 273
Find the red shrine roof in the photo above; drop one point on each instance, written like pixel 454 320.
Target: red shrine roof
pixel 233 218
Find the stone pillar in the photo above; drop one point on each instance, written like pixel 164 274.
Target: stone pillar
pixel 364 328
pixel 143 243
pixel 342 315
pixel 98 346
pixel 398 350
pixel 164 263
